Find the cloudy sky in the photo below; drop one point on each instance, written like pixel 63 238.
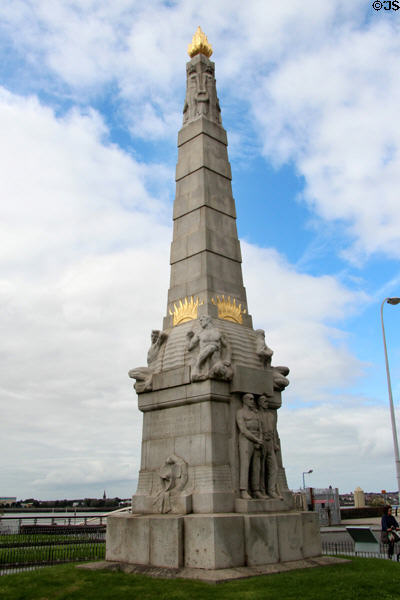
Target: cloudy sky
pixel 91 100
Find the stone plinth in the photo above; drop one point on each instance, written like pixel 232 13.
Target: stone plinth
pixel 145 540
pixel 272 505
pixel 196 421
pixel 217 541
pixel 191 421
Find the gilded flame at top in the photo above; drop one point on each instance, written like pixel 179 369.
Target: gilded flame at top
pixel 200 44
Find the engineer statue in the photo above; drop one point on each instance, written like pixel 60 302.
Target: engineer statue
pixel 250 448
pixel 271 446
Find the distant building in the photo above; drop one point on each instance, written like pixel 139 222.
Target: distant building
pixel 324 501
pixel 359 498
pixel 346 499
pixel 371 499
pixel 7 500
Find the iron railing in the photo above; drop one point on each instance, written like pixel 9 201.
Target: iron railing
pixel 10 523
pixel 347 548
pixel 34 545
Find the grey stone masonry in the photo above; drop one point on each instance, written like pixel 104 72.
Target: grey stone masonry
pixel 212 491
pixel 205 251
pixel 201 364
pixel 213 541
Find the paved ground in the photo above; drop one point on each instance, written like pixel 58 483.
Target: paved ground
pixel 368 521
pixel 338 533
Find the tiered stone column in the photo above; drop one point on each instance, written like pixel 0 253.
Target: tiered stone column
pixel 212 489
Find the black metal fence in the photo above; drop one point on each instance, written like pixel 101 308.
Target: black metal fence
pixel 33 545
pixel 347 548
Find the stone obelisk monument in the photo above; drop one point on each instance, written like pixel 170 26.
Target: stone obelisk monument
pixel 212 491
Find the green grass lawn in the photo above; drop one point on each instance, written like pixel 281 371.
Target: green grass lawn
pixel 362 579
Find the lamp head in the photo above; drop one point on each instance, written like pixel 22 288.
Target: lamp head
pixel 393 300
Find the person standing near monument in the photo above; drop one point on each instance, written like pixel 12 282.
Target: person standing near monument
pixel 250 448
pixel 390 527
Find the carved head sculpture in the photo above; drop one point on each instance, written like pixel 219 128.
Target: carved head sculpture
pixel 262 401
pixel 205 320
pixel 192 83
pixel 199 74
pixel 248 400
pixel 201 93
pixel 155 334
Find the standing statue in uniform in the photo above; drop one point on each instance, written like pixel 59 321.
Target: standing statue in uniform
pixel 271 446
pixel 250 448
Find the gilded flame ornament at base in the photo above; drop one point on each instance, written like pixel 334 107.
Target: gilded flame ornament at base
pixel 185 311
pixel 229 310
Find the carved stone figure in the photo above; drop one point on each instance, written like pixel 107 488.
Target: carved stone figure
pixel 214 358
pixel 271 446
pixel 201 94
pixel 280 379
pixel 144 375
pixel 265 354
pixel 250 448
pixel 174 477
pixel 262 350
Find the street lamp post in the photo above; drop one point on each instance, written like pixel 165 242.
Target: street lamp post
pixel 306 473
pixel 392 414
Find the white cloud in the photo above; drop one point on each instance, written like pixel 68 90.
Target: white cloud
pixel 84 262
pixel 347 441
pixel 299 312
pixel 324 89
pixel 85 244
pixel 85 280
pixel 334 113
pixel 97 191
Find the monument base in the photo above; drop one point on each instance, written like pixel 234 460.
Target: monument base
pixel 214 575
pixel 181 504
pixel 268 505
pixel 213 541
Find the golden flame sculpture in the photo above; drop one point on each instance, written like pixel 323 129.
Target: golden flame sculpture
pixel 185 311
pixel 200 44
pixel 228 309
